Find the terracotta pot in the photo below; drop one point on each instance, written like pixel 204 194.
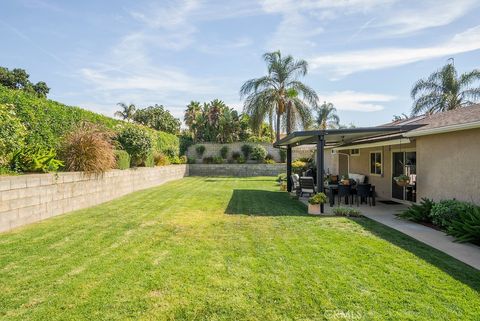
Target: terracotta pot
pixel 314 209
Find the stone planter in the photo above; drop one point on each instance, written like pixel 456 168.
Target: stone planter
pixel 403 183
pixel 314 209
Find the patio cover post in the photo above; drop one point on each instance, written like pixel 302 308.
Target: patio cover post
pixel 289 168
pixel 320 165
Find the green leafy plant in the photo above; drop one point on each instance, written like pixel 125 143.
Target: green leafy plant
pixel 466 226
pixel 236 155
pixel 269 161
pixel 419 212
pixel 208 160
pixel 283 155
pixel 217 160
pixel 346 211
pixel 35 159
pixel 88 148
pixel 137 142
pixel 241 160
pixel 122 159
pixel 319 198
pixel 191 160
pixel 12 133
pixel 258 153
pixel 445 212
pixel 246 150
pixel 282 177
pixel 200 149
pixel 224 152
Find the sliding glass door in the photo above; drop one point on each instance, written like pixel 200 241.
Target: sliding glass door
pixel 404 163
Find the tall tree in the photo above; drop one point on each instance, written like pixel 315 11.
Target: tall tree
pixel 127 112
pixel 326 116
pixel 445 90
pixel 192 114
pixel 270 94
pixel 157 117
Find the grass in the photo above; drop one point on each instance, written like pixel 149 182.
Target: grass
pixel 225 249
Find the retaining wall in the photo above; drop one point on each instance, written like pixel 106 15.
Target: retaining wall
pixel 26 199
pixel 236 170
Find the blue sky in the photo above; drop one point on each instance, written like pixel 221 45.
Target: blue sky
pixel 364 55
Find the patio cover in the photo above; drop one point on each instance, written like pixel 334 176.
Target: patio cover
pixel 332 138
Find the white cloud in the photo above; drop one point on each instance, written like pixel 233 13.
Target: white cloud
pixel 345 63
pixel 356 101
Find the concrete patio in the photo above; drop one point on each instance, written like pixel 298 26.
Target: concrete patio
pixel 385 214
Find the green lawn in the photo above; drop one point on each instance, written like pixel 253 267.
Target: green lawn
pixel 225 249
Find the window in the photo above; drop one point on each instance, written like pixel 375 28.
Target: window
pixel 355 152
pixel 376 163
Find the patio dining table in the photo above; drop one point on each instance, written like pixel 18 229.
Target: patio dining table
pixel 331 188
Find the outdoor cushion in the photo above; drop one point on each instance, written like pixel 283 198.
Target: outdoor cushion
pixel 359 178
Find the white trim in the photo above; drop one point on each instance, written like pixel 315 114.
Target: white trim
pixel 370 162
pixel 444 129
pixel 354 155
pixel 377 144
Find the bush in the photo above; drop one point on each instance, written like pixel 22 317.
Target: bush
pixel 12 133
pixel 191 160
pixel 258 153
pixel 208 160
pixel 200 149
pixel 298 166
pixel 122 159
pixel 160 159
pixel 346 211
pixel 185 141
pixel 236 156
pixel 319 198
pixel 35 159
pixel 224 152
pixel 445 212
pixel 166 143
pixel 246 150
pixel 466 227
pixel 282 177
pixel 269 161
pixel 88 148
pixel 419 212
pixel 283 155
pixel 269 156
pixel 241 160
pixel 179 160
pixel 137 142
pixel 217 160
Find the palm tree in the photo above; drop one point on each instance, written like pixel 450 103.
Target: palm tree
pixel 444 90
pixel 327 116
pixel 270 94
pixel 127 111
pixel 191 117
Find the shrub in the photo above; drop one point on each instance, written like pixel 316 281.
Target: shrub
pixel 346 211
pixel 236 156
pixel 217 160
pixel 149 161
pixel 466 227
pixel 122 159
pixel 282 177
pixel 446 211
pixel 166 143
pixel 160 159
pixel 269 156
pixel 12 133
pixel 418 212
pixel 35 159
pixel 298 166
pixel 246 150
pixel 137 142
pixel 191 160
pixel 258 153
pixel 88 148
pixel 200 149
pixel 185 141
pixel 241 160
pixel 179 160
pixel 208 160
pixel 283 155
pixel 269 161
pixel 319 198
pixel 224 152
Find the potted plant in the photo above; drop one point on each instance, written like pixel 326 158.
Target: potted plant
pixel 402 180
pixel 345 180
pixel 315 201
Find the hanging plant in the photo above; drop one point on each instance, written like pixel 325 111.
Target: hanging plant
pixel 402 180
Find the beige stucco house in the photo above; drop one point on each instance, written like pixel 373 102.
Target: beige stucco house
pixel 442 158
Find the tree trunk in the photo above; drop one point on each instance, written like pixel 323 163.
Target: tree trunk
pixel 270 121
pixel 278 126
pixel 289 125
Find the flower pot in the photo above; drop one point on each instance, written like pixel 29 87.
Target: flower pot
pixel 314 209
pixel 403 183
pixel 283 187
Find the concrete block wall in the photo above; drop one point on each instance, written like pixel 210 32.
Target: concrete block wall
pixel 29 198
pixel 213 149
pixel 236 170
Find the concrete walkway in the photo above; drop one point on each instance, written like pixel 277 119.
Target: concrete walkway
pixel 385 214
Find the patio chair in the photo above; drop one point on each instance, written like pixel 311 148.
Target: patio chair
pixel 307 185
pixel 344 191
pixel 295 182
pixel 364 192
